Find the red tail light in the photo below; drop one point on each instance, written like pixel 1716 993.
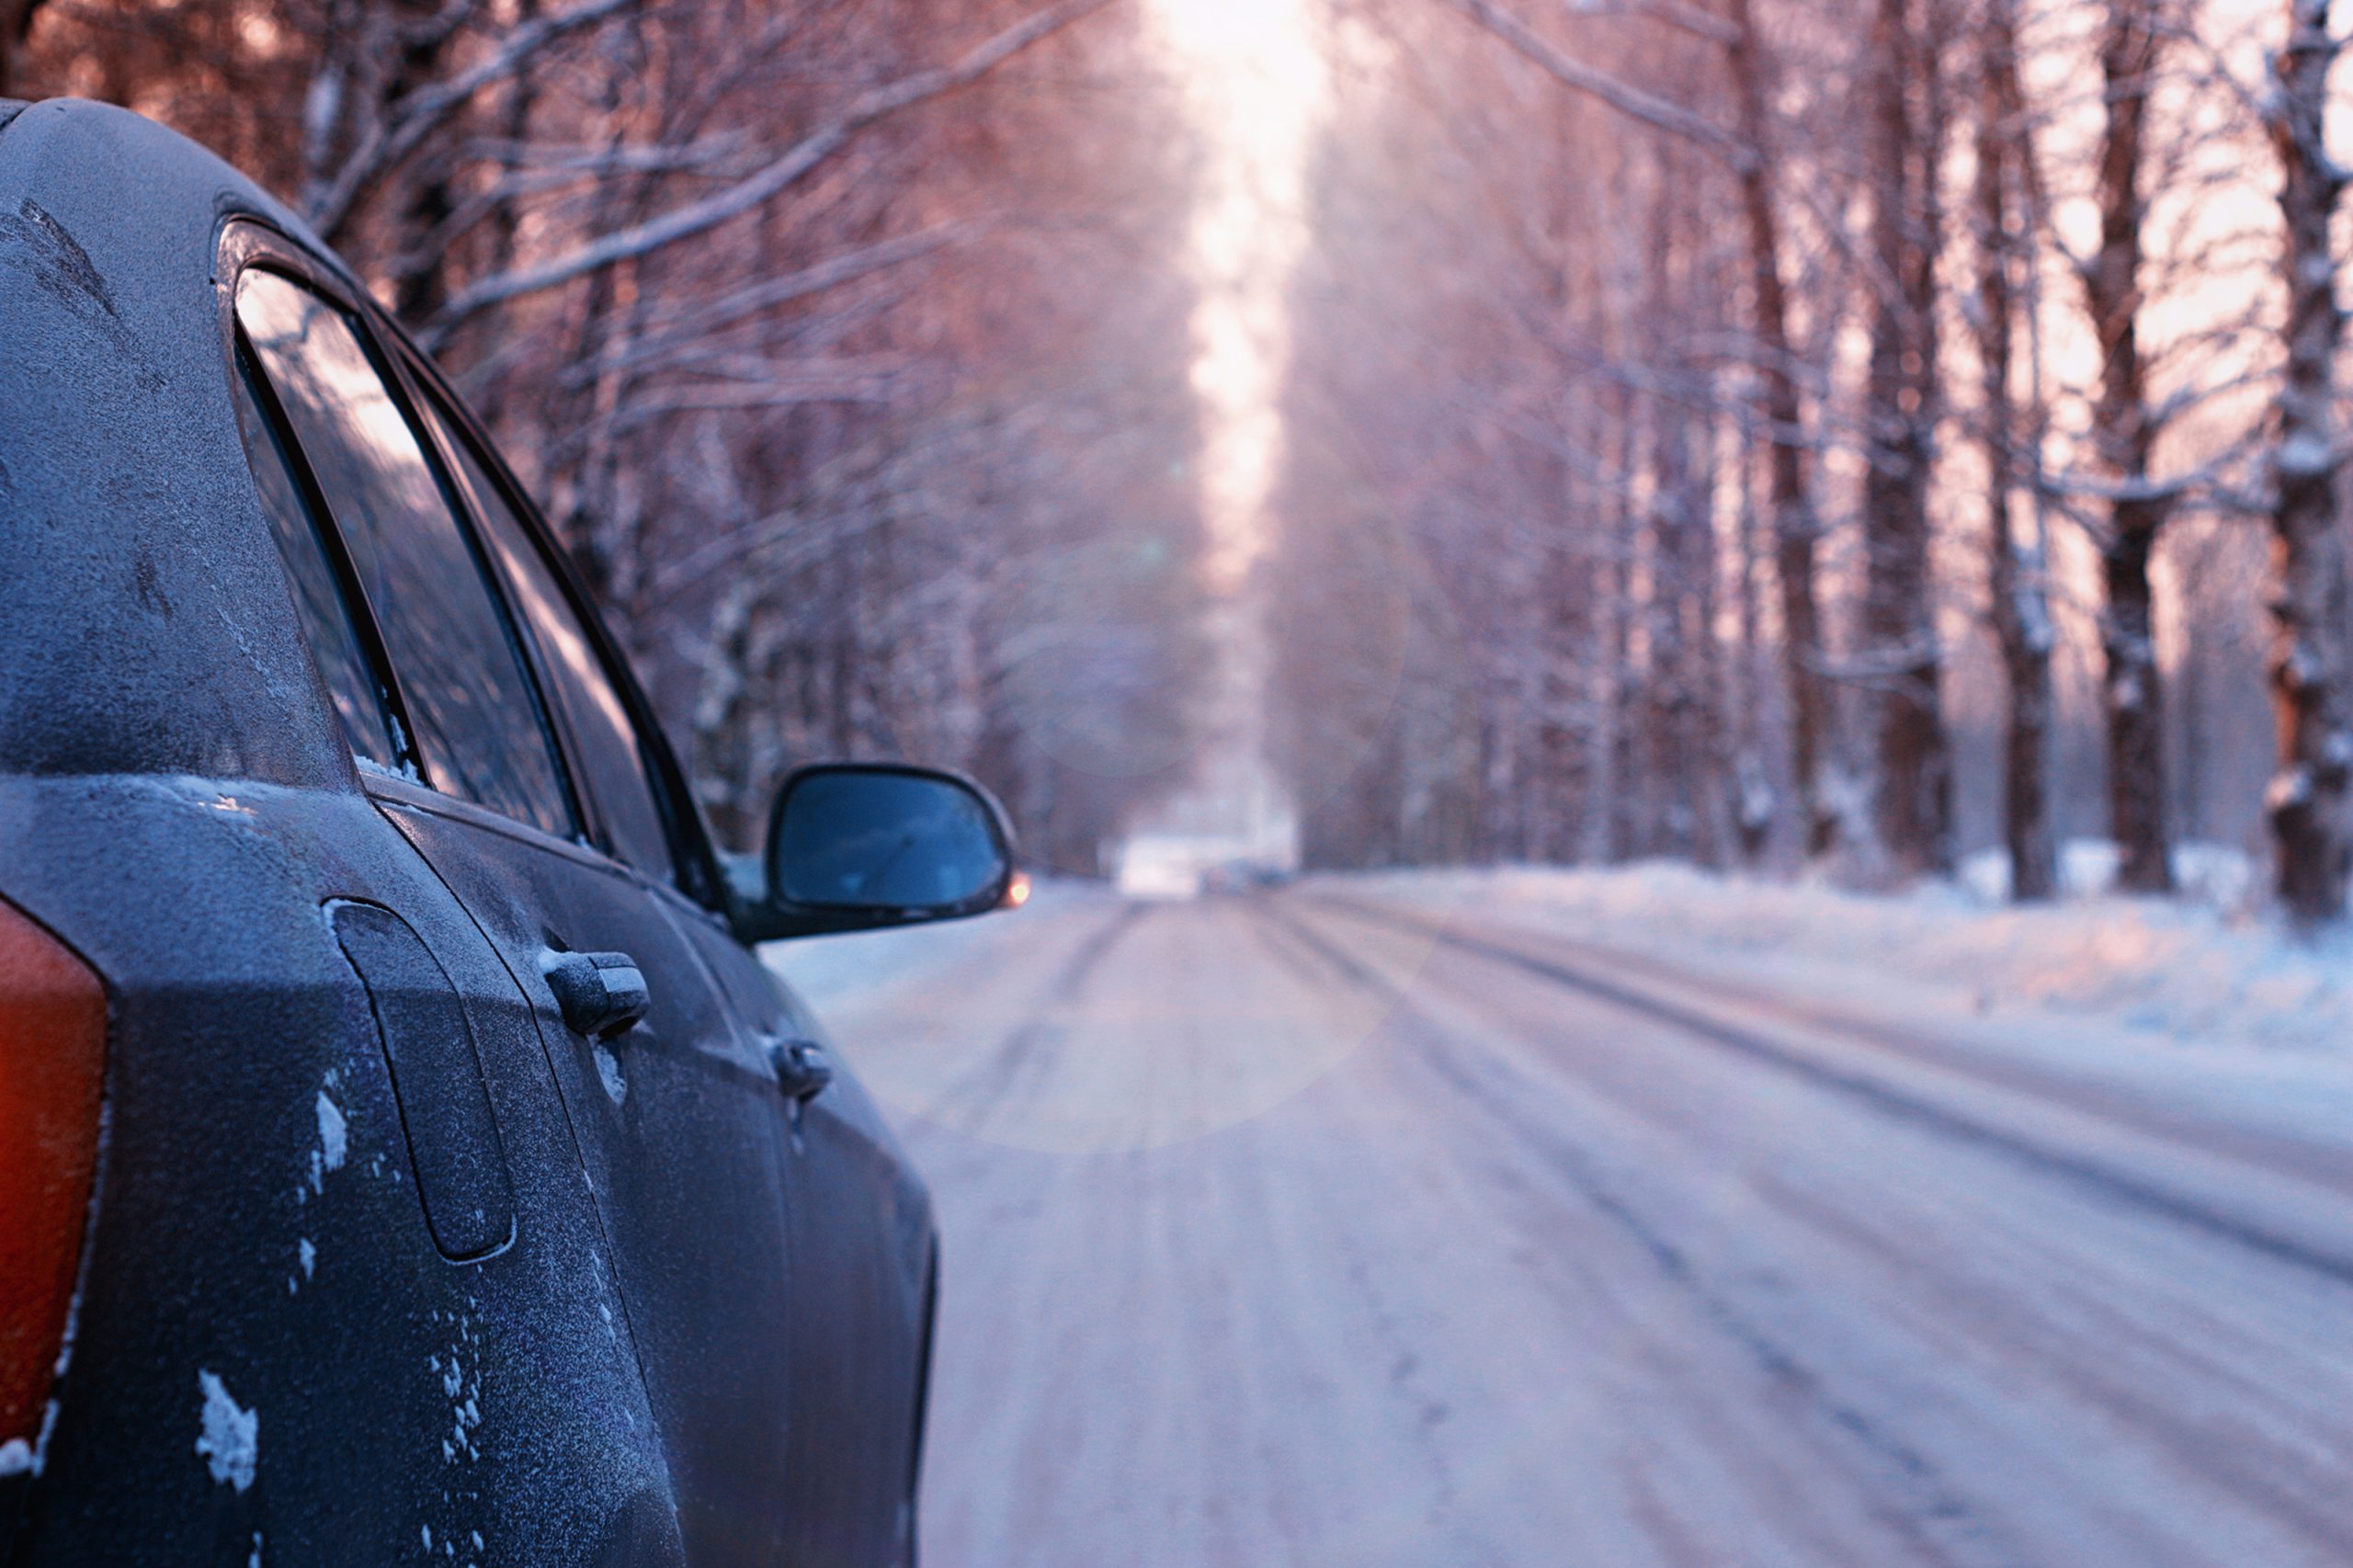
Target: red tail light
pixel 53 1062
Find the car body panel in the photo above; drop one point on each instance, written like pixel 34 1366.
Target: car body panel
pixel 259 1222
pixel 271 1352
pixel 676 1123
pixel 862 1223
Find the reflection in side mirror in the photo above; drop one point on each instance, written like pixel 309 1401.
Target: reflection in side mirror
pixel 857 844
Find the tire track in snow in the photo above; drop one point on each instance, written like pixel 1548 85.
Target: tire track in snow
pixel 2120 1186
pixel 1404 1374
pixel 1026 1052
pixel 2262 1463
pixel 2283 1154
pixel 1180 1351
pixel 2215 1399
pixel 1931 1511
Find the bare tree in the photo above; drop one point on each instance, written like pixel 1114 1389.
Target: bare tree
pixel 2006 183
pixel 823 331
pixel 1796 528
pixel 2126 434
pixel 2312 669
pixel 1901 662
pixel 1640 362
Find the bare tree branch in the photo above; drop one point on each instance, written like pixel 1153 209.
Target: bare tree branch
pixel 1659 114
pixel 788 169
pixel 426 110
pixel 670 337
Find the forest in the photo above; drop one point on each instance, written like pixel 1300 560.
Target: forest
pixel 1846 435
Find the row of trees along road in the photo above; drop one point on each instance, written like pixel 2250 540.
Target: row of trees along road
pixel 1748 430
pixel 1767 429
pixel 843 340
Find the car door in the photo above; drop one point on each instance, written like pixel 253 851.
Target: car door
pixel 860 1225
pixel 863 1225
pixel 864 1251
pixel 672 1106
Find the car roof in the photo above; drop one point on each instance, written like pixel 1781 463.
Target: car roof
pixel 145 625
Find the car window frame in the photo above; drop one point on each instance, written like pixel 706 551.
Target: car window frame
pixel 245 246
pixel 700 881
pixel 432 394
pixel 250 383
pixel 245 240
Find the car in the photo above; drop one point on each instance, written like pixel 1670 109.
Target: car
pixel 404 1155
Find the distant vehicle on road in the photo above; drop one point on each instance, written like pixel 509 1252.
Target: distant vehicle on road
pixel 1165 866
pixel 1159 869
pixel 401 1151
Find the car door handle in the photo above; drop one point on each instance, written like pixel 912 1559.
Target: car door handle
pixel 601 993
pixel 803 1067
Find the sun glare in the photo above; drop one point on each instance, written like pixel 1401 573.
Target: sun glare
pixel 1254 85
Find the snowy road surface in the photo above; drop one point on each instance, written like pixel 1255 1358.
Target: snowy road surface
pixel 1289 1228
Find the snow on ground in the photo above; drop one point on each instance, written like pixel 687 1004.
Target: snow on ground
pixel 1632 1219
pixel 827 970
pixel 2202 974
pixel 2195 1001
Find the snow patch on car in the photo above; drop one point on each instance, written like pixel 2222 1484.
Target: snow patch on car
pixel 229 1435
pixel 335 1137
pixel 334 1133
pixel 609 1073
pixel 459 1367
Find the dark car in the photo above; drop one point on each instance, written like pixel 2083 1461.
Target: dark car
pixel 403 1156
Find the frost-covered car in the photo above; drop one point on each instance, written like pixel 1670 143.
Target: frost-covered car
pixel 402 1154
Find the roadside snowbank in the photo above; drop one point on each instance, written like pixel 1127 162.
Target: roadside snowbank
pixel 829 971
pixel 2191 972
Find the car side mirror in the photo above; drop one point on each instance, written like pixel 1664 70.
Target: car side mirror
pixel 854 846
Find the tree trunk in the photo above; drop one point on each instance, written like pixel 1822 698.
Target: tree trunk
pixel 16 25
pixel 1913 793
pixel 2311 675
pixel 1625 820
pixel 2125 436
pixel 1671 697
pixel 505 221
pixel 1712 739
pixel 1753 803
pixel 1565 728
pixel 2021 615
pixel 424 282
pixel 2132 697
pixel 1795 529
pixel 1672 704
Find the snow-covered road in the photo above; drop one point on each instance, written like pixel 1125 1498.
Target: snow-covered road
pixel 1301 1228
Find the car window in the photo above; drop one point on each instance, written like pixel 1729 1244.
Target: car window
pixel 311 575
pixel 608 747
pixel 469 695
